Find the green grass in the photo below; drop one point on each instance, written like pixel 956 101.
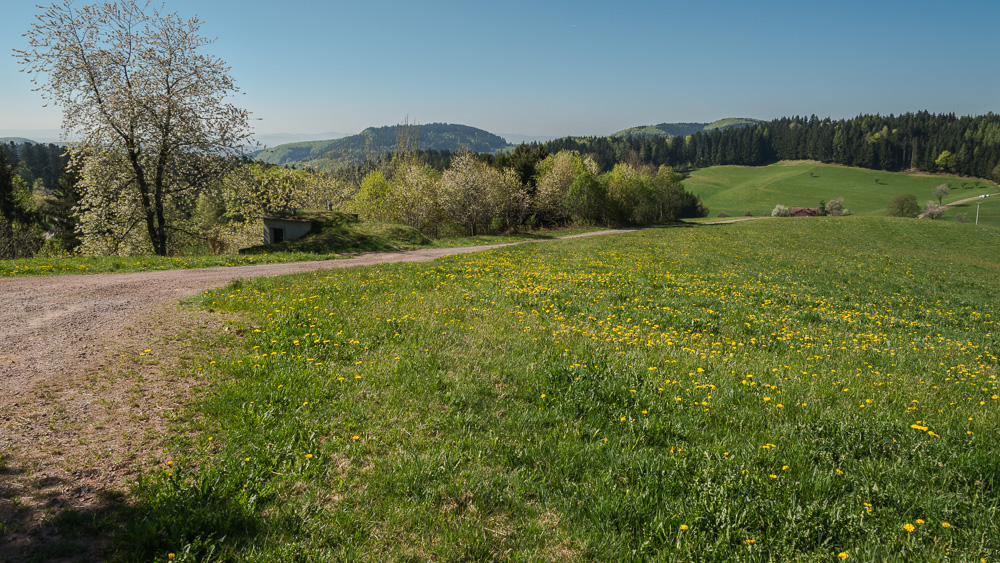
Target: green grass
pixel 988 208
pixel 334 239
pixel 534 235
pixel 763 391
pixel 123 264
pixel 738 189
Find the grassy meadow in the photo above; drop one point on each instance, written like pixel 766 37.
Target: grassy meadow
pixel 763 391
pixel 738 189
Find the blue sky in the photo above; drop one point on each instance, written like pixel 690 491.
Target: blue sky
pixel 574 68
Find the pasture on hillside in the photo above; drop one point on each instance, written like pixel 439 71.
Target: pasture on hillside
pixel 738 189
pixel 763 391
pixel 988 209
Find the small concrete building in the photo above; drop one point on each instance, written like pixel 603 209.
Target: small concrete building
pixel 280 229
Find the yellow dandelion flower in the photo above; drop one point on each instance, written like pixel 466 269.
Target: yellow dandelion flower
pixel 945 525
pixel 909 527
pixel 684 526
pixel 843 555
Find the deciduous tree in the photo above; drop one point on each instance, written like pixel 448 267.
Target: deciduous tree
pixel 933 210
pixel 140 94
pixel 834 207
pixel 940 192
pixel 904 205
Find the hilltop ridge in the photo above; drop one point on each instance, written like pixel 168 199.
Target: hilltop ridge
pixel 374 141
pixel 684 129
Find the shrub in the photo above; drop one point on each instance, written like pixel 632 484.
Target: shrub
pixel 933 210
pixel 904 205
pixel 723 214
pixel 780 211
pixel 748 214
pixel 961 218
pixel 835 207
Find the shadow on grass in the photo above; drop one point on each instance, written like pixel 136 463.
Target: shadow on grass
pixel 50 519
pixel 44 518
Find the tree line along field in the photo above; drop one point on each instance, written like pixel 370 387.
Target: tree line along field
pixel 738 189
pixel 761 391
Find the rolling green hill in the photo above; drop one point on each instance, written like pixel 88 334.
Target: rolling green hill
pixel 684 129
pixel 332 154
pixel 757 189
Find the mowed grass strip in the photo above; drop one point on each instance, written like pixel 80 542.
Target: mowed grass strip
pixel 738 189
pixel 761 391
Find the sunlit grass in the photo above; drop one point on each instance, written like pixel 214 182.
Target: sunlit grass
pixel 125 264
pixel 763 391
pixel 757 189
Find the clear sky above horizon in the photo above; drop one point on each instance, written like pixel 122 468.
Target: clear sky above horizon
pixel 560 68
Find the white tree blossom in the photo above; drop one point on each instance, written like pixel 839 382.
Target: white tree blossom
pixel 134 82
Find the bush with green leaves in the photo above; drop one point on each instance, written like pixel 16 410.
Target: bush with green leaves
pixel 904 205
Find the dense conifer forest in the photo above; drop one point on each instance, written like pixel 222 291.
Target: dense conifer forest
pixel 922 141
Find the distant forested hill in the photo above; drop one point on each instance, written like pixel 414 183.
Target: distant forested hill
pixel 34 161
pixel 922 141
pixel 377 141
pixel 684 129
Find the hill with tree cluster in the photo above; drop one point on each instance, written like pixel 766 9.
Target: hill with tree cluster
pixel 685 129
pixel 378 141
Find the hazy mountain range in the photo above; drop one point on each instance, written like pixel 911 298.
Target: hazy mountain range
pixel 333 153
pixel 333 150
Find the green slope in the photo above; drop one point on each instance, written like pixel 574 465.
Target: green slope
pixel 662 130
pixel 335 153
pixel 728 122
pixel 684 129
pixel 738 189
